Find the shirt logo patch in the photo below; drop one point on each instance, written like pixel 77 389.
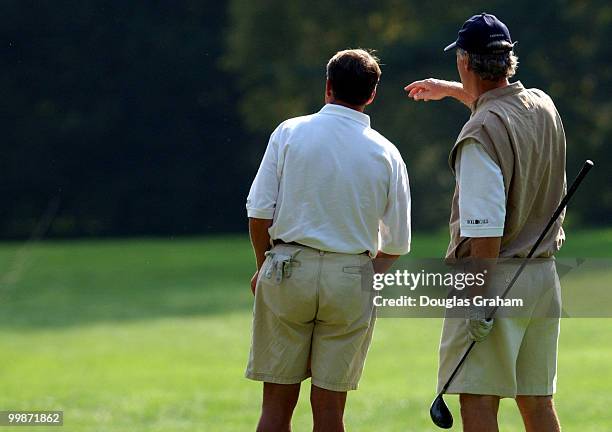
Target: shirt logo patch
pixel 477 221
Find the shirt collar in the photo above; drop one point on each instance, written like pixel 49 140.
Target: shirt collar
pixel 513 88
pixel 342 111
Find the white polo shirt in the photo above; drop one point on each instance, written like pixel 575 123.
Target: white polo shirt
pixel 482 197
pixel 331 182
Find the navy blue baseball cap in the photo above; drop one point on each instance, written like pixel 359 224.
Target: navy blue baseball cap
pixel 483 34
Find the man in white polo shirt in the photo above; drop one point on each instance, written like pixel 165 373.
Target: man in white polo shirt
pixel 330 204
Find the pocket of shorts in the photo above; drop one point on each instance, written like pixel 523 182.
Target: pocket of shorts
pixel 357 270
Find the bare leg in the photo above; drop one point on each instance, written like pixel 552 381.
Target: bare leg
pixel 538 413
pixel 279 400
pixel 479 412
pixel 327 409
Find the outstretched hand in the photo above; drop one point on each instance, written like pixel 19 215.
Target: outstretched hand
pixel 428 89
pixel 436 89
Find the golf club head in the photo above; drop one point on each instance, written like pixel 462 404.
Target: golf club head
pixel 440 414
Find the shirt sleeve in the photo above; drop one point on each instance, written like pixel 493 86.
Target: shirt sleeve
pixel 261 201
pixel 394 226
pixel 482 197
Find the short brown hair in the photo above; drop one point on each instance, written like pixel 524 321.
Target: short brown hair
pixel 353 75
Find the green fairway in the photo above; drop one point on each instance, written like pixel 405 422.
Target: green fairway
pixel 153 335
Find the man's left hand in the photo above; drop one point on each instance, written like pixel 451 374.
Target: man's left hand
pixel 254 282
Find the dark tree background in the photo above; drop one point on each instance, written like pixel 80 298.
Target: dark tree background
pixel 149 118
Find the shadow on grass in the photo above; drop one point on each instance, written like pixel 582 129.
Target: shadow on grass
pixel 76 283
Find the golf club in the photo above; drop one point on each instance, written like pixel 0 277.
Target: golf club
pixel 439 412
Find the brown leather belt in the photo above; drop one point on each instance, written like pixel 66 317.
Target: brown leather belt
pixel 279 241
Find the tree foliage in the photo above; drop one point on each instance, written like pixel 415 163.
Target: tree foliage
pixel 278 50
pixel 151 117
pixel 120 111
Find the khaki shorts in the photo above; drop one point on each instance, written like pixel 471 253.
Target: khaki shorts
pixel 519 357
pixel 317 314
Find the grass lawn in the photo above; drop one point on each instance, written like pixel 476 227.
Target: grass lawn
pixel 153 335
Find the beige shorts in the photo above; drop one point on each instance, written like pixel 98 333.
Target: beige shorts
pixel 317 314
pixel 519 357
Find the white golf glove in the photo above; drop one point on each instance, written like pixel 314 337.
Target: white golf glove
pixel 280 265
pixel 478 325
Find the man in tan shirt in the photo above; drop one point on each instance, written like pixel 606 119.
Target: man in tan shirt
pixel 509 161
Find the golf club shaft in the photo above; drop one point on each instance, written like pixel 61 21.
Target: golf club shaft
pixel 570 192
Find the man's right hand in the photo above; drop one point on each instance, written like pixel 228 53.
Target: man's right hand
pixel 383 262
pixel 429 89
pixel 436 89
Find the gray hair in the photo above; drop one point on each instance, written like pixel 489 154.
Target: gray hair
pixel 492 67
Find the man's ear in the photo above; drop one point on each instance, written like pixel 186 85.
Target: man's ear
pixel 463 63
pixel 372 97
pixel 329 94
